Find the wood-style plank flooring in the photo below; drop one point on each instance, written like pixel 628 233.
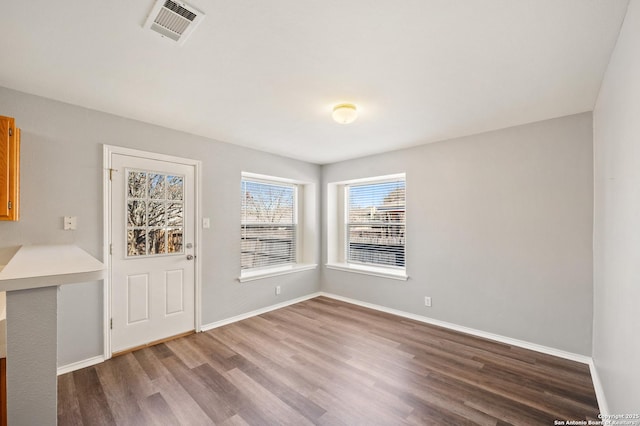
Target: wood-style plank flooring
pixel 327 362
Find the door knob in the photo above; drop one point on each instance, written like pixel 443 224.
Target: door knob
pixel 190 257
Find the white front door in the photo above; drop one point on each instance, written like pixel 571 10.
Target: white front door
pixel 152 238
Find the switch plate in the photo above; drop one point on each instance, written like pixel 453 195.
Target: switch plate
pixel 70 223
pixel 277 290
pixel 206 223
pixel 427 301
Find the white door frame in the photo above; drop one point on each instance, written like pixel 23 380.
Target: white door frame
pixel 108 150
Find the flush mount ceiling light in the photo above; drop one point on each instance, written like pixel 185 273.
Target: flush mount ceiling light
pixel 345 113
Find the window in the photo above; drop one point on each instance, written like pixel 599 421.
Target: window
pixel 155 209
pixel 269 224
pixel 375 231
pixel 366 226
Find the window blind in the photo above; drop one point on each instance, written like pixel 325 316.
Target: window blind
pixel 268 224
pixel 375 231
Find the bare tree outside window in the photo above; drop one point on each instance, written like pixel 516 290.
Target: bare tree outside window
pixel 268 225
pixel 155 213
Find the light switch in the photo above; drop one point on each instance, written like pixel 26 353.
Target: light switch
pixel 70 223
pixel 206 223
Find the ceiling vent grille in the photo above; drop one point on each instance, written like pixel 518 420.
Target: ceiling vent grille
pixel 173 20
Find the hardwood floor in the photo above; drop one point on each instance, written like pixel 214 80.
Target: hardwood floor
pixel 327 362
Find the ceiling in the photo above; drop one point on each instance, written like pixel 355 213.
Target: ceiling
pixel 266 74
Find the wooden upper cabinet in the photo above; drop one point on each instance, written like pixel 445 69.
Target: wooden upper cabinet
pixel 9 169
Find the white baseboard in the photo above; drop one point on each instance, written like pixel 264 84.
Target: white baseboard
pixel 597 386
pixel 479 333
pixel 98 359
pixel 211 326
pixel 64 369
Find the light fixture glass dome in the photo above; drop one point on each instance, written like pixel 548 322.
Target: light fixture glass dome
pixel 345 113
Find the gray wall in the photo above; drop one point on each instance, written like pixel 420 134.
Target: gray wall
pixel 62 175
pixel 499 232
pixel 499 224
pixel 616 331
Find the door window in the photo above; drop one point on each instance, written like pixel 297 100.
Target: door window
pixel 155 213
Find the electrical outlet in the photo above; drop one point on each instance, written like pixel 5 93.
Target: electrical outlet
pixel 427 301
pixel 70 223
pixel 277 290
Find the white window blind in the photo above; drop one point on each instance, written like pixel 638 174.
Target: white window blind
pixel 268 224
pixel 375 225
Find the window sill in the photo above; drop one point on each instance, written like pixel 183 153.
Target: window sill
pixel 394 274
pixel 274 272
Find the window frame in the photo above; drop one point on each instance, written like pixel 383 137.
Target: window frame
pixel 147 200
pixel 348 224
pixel 293 224
pixel 304 194
pixel 337 229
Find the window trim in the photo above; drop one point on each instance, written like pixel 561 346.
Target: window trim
pixel 337 223
pixel 274 271
pixel 360 268
pixel 304 218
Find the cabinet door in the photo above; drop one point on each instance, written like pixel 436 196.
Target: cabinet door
pixel 9 169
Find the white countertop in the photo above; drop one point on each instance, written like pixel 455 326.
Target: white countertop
pixel 48 265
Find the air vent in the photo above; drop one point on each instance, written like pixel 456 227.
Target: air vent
pixel 173 20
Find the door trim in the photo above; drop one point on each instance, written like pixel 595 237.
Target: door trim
pixel 108 151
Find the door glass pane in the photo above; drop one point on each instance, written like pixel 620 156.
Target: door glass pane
pixel 174 240
pixel 136 213
pixel 175 187
pixel 136 184
pixel 174 214
pixel 156 185
pixel 157 241
pixel 156 214
pixel 136 242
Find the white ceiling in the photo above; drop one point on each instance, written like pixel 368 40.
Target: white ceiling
pixel 265 74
